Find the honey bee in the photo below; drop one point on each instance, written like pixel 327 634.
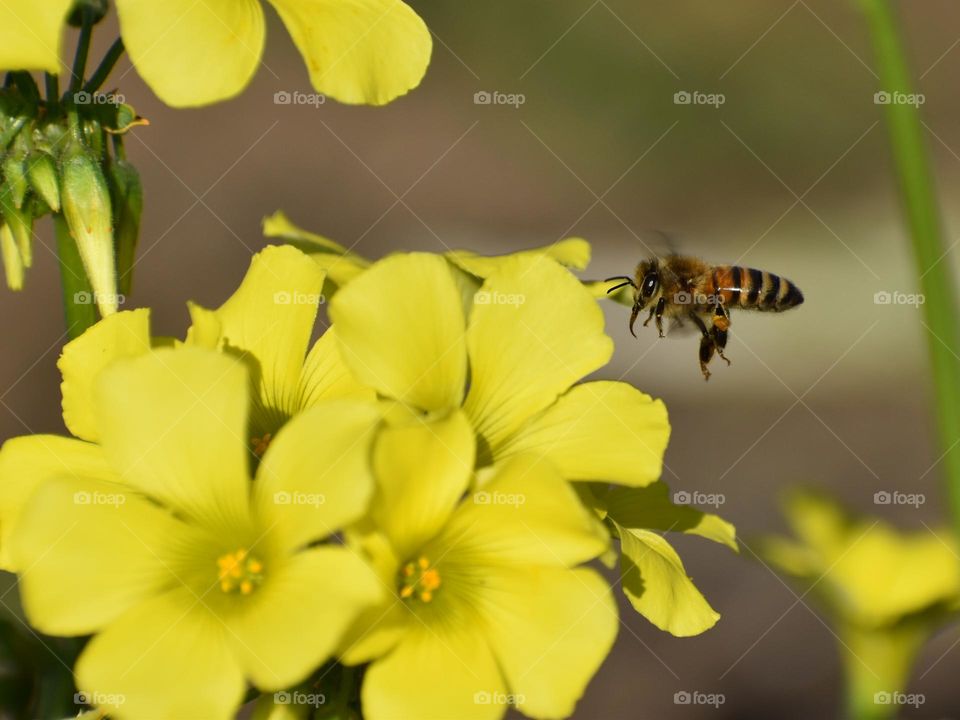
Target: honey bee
pixel 682 288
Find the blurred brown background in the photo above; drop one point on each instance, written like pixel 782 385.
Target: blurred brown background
pixel 791 174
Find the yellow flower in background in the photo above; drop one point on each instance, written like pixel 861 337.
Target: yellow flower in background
pixel 886 591
pixel 531 333
pixel 488 609
pixel 195 53
pixel 191 579
pixel 30 34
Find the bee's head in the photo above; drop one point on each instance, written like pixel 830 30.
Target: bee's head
pixel 647 286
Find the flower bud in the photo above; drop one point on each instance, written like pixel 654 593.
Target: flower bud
pixel 42 174
pixel 12 262
pixel 126 193
pixel 15 177
pixel 19 222
pixel 85 200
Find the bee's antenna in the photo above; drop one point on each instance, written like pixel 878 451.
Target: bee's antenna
pixel 629 281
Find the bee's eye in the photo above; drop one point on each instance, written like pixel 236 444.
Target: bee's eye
pixel 649 285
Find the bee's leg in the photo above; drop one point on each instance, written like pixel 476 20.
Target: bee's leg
pixel 707 345
pixel 661 304
pixel 649 317
pixel 721 324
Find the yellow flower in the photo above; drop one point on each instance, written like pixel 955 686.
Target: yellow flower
pixel 488 608
pixel 30 34
pixel 357 51
pixel 886 591
pixel 525 338
pixel 195 53
pixel 190 578
pixel 268 322
pixel 470 269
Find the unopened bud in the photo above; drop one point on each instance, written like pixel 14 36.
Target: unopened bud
pixel 42 174
pixel 15 177
pixel 126 193
pixel 12 262
pixel 19 222
pixel 85 200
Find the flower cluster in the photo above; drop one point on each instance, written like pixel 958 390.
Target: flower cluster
pixel 417 493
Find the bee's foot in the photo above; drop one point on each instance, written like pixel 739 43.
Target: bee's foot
pixel 661 332
pixel 723 357
pixel 706 373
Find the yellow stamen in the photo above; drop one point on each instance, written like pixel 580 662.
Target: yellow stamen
pixel 238 572
pixel 418 579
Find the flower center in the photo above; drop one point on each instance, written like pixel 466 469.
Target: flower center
pixel 419 580
pixel 239 572
pixel 259 445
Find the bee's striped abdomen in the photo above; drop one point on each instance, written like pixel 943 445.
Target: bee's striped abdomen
pixel 754 289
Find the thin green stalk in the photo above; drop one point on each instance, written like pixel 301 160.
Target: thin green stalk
pixel 78 304
pixel 919 199
pixel 83 50
pixel 106 66
pixel 52 83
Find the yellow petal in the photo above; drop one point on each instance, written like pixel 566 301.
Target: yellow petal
pixel 292 623
pixel 326 377
pixel 550 629
pixel 658 587
pixel 166 658
pixel 606 431
pixel 27 462
pixel 30 34
pixel 316 475
pixel 422 471
pixel 193 53
pixel 173 423
pixel 436 673
pixel 121 335
pixel 534 331
pixel 401 331
pixel 650 508
pixel 572 252
pixel 340 265
pixel 88 551
pixel 268 321
pixel 525 513
pixel 359 51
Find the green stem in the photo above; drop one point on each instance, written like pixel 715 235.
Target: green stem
pixel 930 252
pixel 78 296
pixel 106 66
pixel 52 83
pixel 83 50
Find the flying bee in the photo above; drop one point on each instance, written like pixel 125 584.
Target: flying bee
pixel 681 288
